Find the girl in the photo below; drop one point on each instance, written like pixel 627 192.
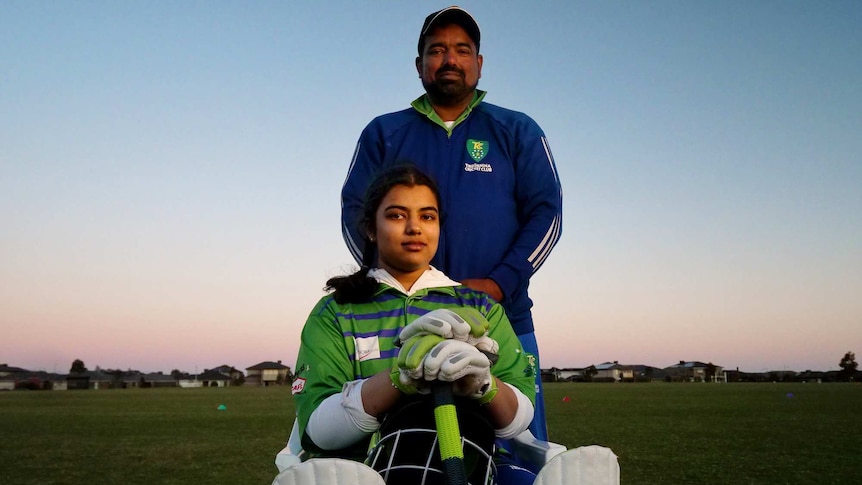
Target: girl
pixel 349 375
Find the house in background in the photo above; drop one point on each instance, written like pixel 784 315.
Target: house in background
pixel 267 374
pixel 187 381
pixel 12 378
pixel 158 379
pixel 613 372
pixel 48 381
pixel 7 370
pixel 231 371
pixel 569 374
pixel 648 373
pixel 213 378
pixel 222 376
pixel 694 371
pixel 94 379
pixel 8 376
pixel 78 381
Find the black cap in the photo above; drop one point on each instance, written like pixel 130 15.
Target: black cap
pixel 450 15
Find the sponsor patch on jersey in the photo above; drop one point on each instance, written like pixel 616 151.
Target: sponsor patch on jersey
pixel 298 385
pixel 367 348
pixel 477 149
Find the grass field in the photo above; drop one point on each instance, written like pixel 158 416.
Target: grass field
pixel 662 433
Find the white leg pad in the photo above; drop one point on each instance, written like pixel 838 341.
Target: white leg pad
pixel 585 465
pixel 329 471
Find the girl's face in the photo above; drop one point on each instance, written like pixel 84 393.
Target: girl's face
pixel 408 229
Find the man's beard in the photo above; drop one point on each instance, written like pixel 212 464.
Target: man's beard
pixel 449 91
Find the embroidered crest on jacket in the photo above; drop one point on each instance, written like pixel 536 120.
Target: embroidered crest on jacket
pixel 477 149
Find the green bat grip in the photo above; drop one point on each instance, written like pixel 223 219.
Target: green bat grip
pixel 448 434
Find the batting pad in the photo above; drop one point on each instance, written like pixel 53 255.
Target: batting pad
pixel 329 471
pixel 585 465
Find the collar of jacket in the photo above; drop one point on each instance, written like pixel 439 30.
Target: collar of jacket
pixel 446 290
pixel 422 105
pixel 432 280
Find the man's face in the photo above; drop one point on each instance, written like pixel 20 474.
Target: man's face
pixel 450 67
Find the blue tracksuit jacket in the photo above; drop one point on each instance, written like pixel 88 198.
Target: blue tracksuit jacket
pixel 501 196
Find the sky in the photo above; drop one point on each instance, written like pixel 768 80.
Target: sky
pixel 170 174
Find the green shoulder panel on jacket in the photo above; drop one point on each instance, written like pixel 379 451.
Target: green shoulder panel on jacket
pixel 422 105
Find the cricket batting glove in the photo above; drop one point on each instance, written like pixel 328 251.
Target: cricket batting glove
pixel 408 374
pixel 406 384
pixel 459 323
pixel 465 366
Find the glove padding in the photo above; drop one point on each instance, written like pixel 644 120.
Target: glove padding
pixel 462 364
pixel 413 353
pixel 460 323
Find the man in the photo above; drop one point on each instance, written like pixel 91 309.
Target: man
pixel 494 169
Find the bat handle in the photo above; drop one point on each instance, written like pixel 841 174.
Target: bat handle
pixel 448 434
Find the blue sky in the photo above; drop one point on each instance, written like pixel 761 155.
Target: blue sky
pixel 170 171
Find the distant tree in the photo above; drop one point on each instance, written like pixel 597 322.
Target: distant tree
pixel 848 367
pixel 78 367
pixel 589 373
pixel 176 374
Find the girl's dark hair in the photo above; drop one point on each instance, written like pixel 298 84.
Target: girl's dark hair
pixel 359 287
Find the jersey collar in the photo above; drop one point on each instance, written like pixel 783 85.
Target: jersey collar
pixel 423 105
pixel 432 279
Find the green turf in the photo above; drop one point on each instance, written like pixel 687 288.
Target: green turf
pixel 143 436
pixel 662 433
pixel 698 433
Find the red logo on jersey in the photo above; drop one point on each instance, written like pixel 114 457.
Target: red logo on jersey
pixel 298 385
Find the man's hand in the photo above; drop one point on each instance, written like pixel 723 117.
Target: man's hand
pixel 462 364
pixel 486 285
